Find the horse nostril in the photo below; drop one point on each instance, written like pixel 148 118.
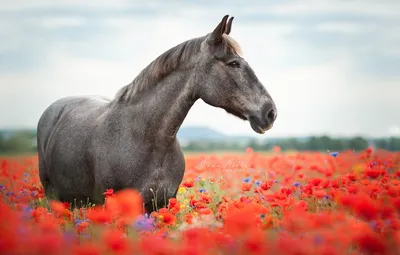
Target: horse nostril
pixel 271 116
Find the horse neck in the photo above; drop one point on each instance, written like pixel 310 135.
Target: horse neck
pixel 160 109
pixel 173 99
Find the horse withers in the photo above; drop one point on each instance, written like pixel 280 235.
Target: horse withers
pixel 89 144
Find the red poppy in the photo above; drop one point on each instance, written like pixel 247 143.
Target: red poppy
pixel 59 208
pixel 116 243
pixel 109 193
pixel 267 185
pixel 87 249
pixel 246 186
pixel 166 218
pixel 255 243
pixel 188 183
pixel 370 243
pixel 373 173
pixel 99 215
pixel 319 193
pixel 206 211
pixel 127 204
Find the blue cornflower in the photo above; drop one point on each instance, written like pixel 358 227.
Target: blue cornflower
pixel 248 179
pixel 373 163
pixel 85 235
pixel 69 236
pixel 263 215
pixel 25 174
pixel 334 154
pixel 22 230
pixel 326 197
pixel 276 181
pixel 258 183
pixel 144 223
pixel 318 240
pixel 373 224
pixel 296 184
pixel 26 212
pixel 202 190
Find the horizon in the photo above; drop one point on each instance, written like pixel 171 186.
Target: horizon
pixel 233 135
pixel 330 66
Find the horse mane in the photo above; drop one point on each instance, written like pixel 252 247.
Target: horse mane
pixel 171 60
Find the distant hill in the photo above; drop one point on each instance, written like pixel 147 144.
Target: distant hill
pixel 6 133
pixel 197 133
pixel 188 133
pixel 200 138
pixel 200 133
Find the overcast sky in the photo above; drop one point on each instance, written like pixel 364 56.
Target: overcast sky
pixel 331 66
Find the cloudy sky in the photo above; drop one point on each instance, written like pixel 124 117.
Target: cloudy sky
pixel 331 66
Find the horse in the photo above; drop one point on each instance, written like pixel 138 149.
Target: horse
pixel 87 144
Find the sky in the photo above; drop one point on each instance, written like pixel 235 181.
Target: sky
pixel 332 67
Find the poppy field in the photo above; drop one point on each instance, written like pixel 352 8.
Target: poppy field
pixel 249 203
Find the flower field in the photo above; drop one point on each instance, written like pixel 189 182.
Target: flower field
pixel 249 203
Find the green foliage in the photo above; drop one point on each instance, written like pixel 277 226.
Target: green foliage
pixel 17 142
pixel 24 141
pixel 314 143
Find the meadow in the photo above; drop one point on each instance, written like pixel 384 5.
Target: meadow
pixel 228 203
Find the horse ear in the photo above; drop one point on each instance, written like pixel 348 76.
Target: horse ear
pixel 229 26
pixel 216 36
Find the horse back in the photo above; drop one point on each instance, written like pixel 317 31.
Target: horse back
pixel 55 112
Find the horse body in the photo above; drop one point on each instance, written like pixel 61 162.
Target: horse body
pixel 89 144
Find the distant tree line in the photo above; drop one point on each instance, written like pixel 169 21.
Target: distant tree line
pixel 25 142
pixel 17 142
pixel 314 143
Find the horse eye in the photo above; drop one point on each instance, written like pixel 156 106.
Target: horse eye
pixel 234 64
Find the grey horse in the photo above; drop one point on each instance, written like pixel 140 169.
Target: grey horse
pixel 89 144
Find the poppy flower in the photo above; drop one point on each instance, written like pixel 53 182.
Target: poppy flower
pixel 246 186
pixel 205 211
pixel 126 203
pixel 59 208
pixel 255 243
pixel 166 218
pixel 99 215
pixel 115 242
pixel 109 193
pixel 267 185
pixel 188 183
pixel 319 194
pixel 47 243
pixel 370 243
pixel 373 173
pixel 87 249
